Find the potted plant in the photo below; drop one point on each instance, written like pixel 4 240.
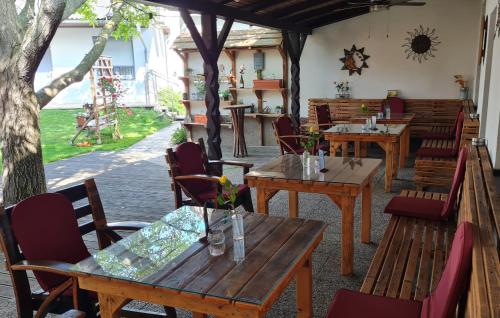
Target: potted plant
pixel 226 94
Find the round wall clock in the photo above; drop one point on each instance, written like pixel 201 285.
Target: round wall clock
pixel 421 44
pixel 354 60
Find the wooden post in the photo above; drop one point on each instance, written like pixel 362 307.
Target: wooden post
pixel 210 46
pixel 294 45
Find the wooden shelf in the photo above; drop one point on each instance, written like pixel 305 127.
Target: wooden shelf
pixel 251 89
pixel 267 115
pixel 195 124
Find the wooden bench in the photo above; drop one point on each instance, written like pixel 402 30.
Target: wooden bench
pixel 437 172
pixel 410 258
pixel 429 112
pixel 481 206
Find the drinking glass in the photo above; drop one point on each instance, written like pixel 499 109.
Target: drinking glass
pixel 217 242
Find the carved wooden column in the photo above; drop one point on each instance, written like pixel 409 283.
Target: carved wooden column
pixel 294 45
pixel 210 45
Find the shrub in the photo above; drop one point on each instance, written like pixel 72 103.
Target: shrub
pixel 179 136
pixel 171 99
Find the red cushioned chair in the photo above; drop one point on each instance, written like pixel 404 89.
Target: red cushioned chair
pixel 194 175
pixel 444 135
pixel 288 140
pixel 396 104
pixel 441 303
pixel 445 153
pixel 323 117
pixel 45 229
pixel 432 209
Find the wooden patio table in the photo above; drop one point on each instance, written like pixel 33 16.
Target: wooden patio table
pixel 166 263
pixel 238 118
pixel 342 183
pixel 386 136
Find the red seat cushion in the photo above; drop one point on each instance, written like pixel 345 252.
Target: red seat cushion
pixel 416 207
pixel 351 304
pixel 189 158
pixel 397 105
pixel 458 133
pixel 45 227
pixel 453 282
pixel 284 127
pixel 323 116
pixel 212 193
pixel 458 178
pixel 435 153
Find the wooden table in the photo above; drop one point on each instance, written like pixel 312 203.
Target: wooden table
pixel 386 136
pixel 342 183
pixel 238 117
pixel 167 264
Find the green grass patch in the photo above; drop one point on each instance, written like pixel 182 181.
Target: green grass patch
pixel 58 127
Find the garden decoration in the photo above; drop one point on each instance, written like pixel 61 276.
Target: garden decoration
pixel 242 71
pixel 354 60
pixel 421 44
pixel 107 91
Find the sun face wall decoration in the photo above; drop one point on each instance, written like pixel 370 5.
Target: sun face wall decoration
pixel 421 44
pixel 354 60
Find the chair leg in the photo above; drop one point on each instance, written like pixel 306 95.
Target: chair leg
pixel 246 201
pixel 170 311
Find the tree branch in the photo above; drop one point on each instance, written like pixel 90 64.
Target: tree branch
pixel 8 38
pixel 71 7
pixel 47 93
pixel 26 14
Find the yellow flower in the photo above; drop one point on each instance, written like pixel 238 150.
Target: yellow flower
pixel 223 180
pixel 311 129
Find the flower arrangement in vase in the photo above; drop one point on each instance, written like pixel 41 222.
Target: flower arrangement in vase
pixel 464 90
pixel 342 89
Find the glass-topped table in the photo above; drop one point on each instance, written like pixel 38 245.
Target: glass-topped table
pixel 166 263
pixel 344 181
pixel 403 118
pixel 389 137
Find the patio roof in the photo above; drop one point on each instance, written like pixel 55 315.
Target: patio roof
pixel 292 15
pixel 237 39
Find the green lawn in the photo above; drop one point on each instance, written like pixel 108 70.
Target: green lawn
pixel 58 127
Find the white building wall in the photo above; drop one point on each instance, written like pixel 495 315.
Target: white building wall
pixel 457 25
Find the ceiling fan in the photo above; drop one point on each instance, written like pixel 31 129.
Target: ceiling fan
pixel 376 5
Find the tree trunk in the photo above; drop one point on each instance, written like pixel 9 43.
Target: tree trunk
pixel 23 171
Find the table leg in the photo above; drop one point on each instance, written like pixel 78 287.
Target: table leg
pixel 262 203
pixel 366 213
pixel 345 149
pixel 364 149
pixel 304 290
pixel 293 204
pixel 357 149
pixel 408 141
pixel 109 306
pixel 402 150
pixel 199 315
pixel 241 132
pixel 347 206
pixel 389 158
pixel 395 161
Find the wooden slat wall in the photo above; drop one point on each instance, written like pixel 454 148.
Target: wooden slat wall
pixel 429 112
pixel 481 206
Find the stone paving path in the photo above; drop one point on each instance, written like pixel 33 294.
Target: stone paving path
pixel 134 185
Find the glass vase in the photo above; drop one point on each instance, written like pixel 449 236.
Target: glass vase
pixel 238 236
pixel 306 156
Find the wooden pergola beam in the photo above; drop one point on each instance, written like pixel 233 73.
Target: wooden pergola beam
pixel 336 17
pixel 233 13
pixel 261 5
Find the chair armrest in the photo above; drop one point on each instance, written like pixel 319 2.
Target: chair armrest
pixel 126 226
pixel 54 267
pixel 205 177
pixel 232 163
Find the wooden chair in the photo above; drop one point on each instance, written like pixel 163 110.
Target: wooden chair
pixel 194 175
pixel 442 302
pixel 432 209
pixel 41 234
pixel 323 117
pixel 288 140
pixel 444 132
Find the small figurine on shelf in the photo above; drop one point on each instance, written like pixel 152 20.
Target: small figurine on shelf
pixel 242 71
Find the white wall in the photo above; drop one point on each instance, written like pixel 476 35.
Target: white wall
pixel 457 24
pixel 490 98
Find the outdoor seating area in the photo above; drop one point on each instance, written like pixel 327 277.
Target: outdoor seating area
pixel 379 196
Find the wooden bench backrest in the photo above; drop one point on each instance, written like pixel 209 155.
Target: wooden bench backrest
pixel 481 206
pixel 428 112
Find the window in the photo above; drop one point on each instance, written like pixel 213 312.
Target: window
pixel 125 72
